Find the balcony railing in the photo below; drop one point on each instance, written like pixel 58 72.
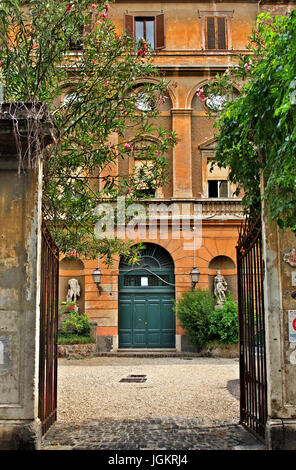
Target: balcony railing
pixel 222 208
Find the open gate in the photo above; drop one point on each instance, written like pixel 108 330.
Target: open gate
pixel 47 411
pixel 250 275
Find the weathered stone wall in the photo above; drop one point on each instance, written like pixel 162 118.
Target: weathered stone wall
pixel 281 346
pixel 77 351
pixel 20 262
pixel 18 293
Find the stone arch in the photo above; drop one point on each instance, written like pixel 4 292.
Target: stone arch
pixel 227 267
pixel 192 93
pixel 170 100
pixel 68 269
pixel 156 256
pixel 221 262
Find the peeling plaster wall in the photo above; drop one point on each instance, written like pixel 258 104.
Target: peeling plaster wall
pixel 20 215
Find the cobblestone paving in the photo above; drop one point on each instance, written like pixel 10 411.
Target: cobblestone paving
pixel 150 434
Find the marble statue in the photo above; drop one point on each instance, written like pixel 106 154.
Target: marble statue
pixel 73 291
pixel 220 287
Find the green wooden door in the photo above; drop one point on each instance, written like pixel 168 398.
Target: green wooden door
pixel 146 318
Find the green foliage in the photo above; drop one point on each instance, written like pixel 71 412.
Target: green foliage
pixel 193 310
pixel 100 79
pixel 223 323
pixel 257 130
pixel 69 338
pixel 78 323
pixel 66 306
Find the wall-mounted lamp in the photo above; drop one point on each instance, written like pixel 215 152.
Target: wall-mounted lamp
pixel 97 276
pixel 194 277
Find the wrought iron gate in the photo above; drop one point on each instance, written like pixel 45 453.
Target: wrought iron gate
pixel 250 274
pixel 48 331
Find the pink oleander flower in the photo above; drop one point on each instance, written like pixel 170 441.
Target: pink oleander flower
pixel 127 146
pixel 68 6
pixel 72 253
pixel 104 15
pixel 94 6
pixel 107 6
pixel 142 52
pixel 200 94
pixel 93 61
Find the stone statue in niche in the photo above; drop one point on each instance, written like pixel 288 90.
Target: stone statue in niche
pixel 220 288
pixel 73 290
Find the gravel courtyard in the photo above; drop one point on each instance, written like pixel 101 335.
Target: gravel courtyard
pixel 203 388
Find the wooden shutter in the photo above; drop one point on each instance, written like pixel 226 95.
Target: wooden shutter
pixel 210 32
pixel 159 31
pixel 129 25
pixel 216 32
pixel 221 28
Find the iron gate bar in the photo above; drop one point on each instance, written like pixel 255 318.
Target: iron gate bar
pixel 253 401
pixel 47 407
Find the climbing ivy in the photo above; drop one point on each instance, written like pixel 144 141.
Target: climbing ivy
pixel 257 130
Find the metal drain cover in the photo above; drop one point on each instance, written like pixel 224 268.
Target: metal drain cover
pixel 134 378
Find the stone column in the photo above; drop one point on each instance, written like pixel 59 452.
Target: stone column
pixel 182 161
pixel 20 234
pixel 280 300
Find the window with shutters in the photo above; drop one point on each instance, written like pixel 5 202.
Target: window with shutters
pixel 150 28
pixel 216 32
pixel 144 28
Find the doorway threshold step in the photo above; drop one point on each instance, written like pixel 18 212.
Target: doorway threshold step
pixel 148 353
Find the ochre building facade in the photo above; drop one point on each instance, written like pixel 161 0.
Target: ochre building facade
pixel 134 307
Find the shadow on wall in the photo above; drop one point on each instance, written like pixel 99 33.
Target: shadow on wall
pixel 228 270
pixel 72 269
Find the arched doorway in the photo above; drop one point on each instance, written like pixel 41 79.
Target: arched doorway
pixel 146 317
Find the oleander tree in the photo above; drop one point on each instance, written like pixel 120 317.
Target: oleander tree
pixel 256 130
pixel 50 49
